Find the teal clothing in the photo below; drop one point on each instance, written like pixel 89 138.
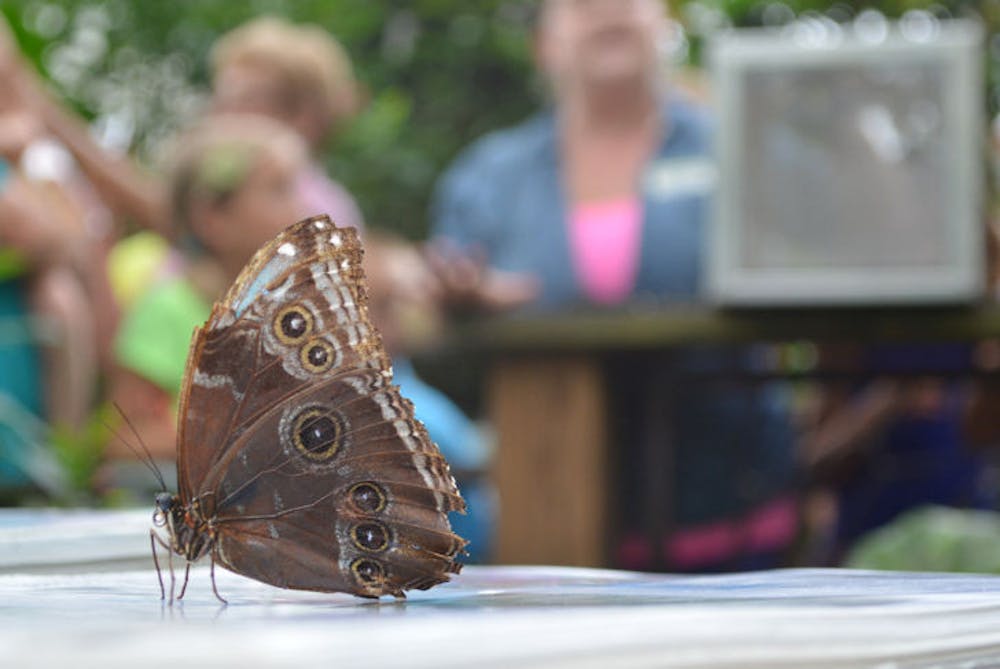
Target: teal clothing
pixel 20 379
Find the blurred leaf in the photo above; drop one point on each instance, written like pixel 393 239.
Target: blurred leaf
pixel 933 539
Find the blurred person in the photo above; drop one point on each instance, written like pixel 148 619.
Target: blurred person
pixel 897 443
pixel 301 76
pixel 602 199
pixel 602 196
pixel 52 293
pixel 22 387
pixel 233 188
pixel 296 74
pixel 127 190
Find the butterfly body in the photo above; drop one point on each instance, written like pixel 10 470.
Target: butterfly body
pixel 299 463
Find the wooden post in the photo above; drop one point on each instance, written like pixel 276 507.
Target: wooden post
pixel 551 470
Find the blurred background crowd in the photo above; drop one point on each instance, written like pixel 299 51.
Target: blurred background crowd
pixel 495 156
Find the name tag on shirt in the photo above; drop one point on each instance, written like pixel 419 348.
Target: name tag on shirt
pixel 678 177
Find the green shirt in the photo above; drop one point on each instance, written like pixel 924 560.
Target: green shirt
pixel 155 334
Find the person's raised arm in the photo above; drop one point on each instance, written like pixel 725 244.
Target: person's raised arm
pixel 124 187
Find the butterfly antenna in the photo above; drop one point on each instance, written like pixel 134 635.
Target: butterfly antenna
pixel 144 455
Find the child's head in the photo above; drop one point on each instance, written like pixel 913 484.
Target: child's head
pixel 233 184
pixel 298 74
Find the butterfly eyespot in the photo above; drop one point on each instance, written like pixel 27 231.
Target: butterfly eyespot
pixel 370 537
pixel 368 572
pixel 293 324
pixel 367 497
pixel 316 433
pixel 317 356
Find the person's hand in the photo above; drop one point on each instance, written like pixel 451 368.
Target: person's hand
pixel 405 275
pixel 467 281
pixel 36 221
pixel 17 131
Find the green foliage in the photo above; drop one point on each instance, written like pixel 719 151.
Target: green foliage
pixel 80 454
pixel 933 539
pixel 439 74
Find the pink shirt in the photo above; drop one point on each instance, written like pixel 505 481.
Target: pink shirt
pixel 604 240
pixel 320 194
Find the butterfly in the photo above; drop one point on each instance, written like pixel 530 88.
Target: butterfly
pixel 299 463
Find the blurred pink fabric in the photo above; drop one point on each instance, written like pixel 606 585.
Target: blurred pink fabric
pixel 604 239
pixel 767 528
pixel 322 195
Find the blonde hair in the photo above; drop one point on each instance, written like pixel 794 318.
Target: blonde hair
pixel 212 161
pixel 312 66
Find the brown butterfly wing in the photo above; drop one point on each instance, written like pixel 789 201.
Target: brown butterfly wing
pixel 237 367
pixel 383 484
pixel 291 427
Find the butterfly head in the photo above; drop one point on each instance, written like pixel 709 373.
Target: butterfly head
pixel 167 512
pixel 164 502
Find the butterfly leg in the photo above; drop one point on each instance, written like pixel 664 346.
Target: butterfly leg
pixel 214 588
pixel 173 580
pixel 187 572
pixel 156 563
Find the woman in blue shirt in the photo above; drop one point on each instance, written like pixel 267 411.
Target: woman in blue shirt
pixel 603 199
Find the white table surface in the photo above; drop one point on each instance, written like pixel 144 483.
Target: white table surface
pixel 55 614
